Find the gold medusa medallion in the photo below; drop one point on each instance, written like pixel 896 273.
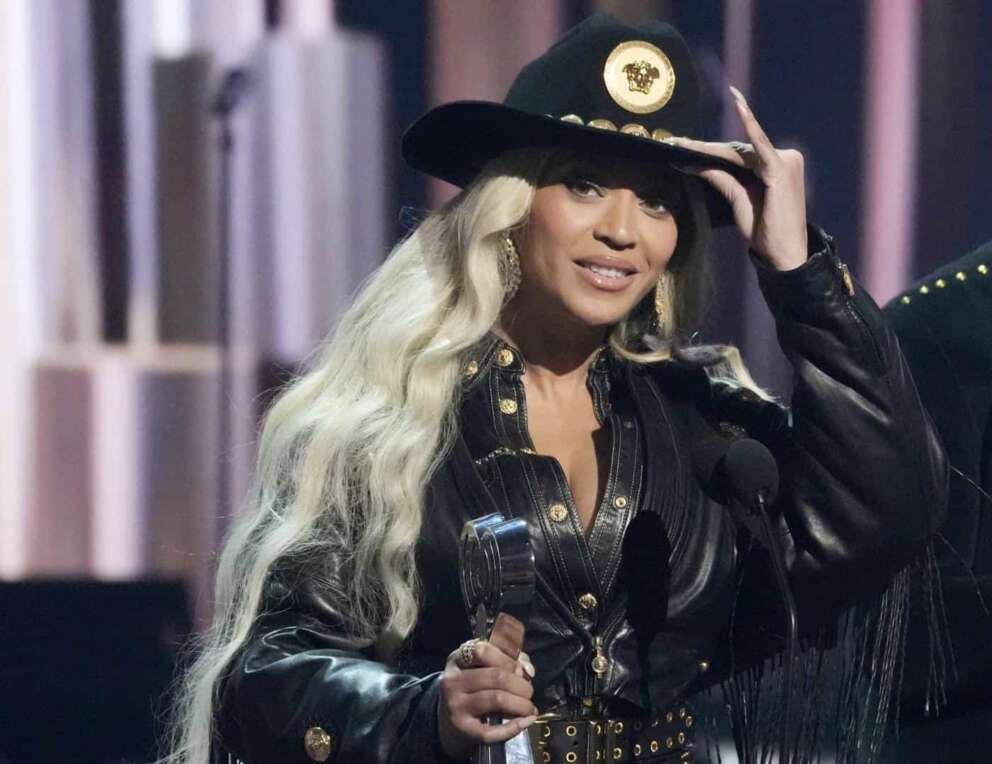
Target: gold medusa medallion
pixel 639 76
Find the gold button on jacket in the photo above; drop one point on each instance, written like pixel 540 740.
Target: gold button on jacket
pixel 318 742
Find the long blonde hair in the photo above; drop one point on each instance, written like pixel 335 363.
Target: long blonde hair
pixel 347 449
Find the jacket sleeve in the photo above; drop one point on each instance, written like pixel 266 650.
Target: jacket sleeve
pixel 301 690
pixel 863 474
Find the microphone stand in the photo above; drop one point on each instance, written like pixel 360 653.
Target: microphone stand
pixel 760 507
pixel 230 94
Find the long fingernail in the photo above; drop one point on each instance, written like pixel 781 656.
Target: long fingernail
pixel 529 668
pixel 741 100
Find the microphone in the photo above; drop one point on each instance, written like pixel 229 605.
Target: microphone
pixel 748 473
pixel 233 86
pixel 748 470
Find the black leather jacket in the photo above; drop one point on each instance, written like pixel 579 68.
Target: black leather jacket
pixel 863 484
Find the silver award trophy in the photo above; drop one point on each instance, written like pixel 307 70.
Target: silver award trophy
pixel 496 566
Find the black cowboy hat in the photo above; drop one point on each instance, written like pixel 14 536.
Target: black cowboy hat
pixel 605 88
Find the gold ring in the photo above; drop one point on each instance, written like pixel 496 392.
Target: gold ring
pixel 468 656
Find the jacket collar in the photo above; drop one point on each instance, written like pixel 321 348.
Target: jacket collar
pixel 494 354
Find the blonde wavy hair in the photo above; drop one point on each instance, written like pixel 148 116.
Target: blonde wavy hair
pixel 346 450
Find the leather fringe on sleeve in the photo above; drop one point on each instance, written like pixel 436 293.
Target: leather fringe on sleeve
pixel 846 685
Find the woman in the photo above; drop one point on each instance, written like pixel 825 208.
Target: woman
pixel 520 352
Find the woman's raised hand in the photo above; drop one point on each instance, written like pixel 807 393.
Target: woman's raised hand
pixel 770 213
pixel 491 683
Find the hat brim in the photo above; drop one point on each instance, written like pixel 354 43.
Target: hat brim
pixel 453 142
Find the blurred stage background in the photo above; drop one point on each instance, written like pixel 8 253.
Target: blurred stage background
pixel 128 429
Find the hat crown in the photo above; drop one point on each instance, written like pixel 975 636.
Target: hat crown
pixel 652 77
pixel 605 87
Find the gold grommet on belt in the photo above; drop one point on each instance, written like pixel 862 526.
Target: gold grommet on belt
pixel 545 757
pixel 689 721
pixel 571 756
pixel 654 746
pixel 570 730
pixel 669 717
pixel 619 727
pixel 617 753
pixel 669 743
pixel 681 738
pixel 547 731
pixel 637 749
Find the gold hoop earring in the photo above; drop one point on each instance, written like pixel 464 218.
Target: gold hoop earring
pixel 509 265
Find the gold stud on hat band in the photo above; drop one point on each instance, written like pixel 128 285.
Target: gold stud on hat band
pixel 603 124
pixel 635 129
pixel 631 128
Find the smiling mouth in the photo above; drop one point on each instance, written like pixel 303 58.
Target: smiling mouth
pixel 612 273
pixel 611 278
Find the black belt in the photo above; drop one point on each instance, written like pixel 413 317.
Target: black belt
pixel 664 736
